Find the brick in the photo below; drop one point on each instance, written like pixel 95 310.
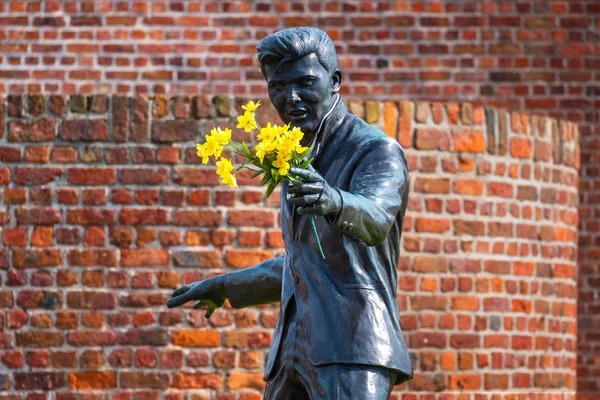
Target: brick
pixel 191 380
pixel 145 216
pixel 196 338
pixel 83 380
pixel 520 148
pixel 86 130
pixel 26 258
pixel 39 380
pixel 12 359
pixel 239 380
pixel 246 258
pixel 144 257
pixel 465 382
pixel 90 216
pixel 39 299
pixel 432 139
pixel 41 339
pixel 143 176
pixel 91 176
pixel 91 338
pixel 14 237
pixel 40 130
pixel 195 176
pixel 35 176
pixel 91 300
pixel 468 141
pixel 174 131
pixel 206 218
pixel 251 218
pixel 201 258
pixel 432 185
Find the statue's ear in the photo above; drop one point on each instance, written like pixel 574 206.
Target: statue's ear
pixel 336 81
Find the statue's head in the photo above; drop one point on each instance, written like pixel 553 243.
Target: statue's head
pixel 301 69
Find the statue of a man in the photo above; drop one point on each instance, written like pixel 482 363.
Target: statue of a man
pixel 338 333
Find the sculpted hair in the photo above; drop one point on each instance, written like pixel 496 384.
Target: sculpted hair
pixel 293 43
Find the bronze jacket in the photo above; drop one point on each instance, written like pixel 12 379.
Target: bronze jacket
pixel 346 303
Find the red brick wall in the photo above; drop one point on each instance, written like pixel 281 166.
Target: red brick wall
pixel 105 209
pixel 534 56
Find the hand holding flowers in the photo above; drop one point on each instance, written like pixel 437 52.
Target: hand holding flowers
pixel 277 151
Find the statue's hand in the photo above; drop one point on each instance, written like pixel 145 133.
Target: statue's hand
pixel 208 293
pixel 314 196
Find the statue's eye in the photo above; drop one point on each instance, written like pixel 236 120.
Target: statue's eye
pixel 277 86
pixel 306 82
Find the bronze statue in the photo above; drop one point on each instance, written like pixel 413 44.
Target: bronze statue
pixel 338 333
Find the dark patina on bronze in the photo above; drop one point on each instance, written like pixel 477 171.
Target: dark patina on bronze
pixel 338 334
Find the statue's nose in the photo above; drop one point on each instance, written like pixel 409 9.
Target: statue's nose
pixel 293 97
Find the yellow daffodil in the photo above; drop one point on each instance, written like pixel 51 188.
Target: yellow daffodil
pixel 282 165
pixel 251 106
pixel 229 180
pixel 300 149
pixel 213 147
pixel 282 130
pixel 223 137
pixel 295 134
pixel 224 167
pixel 203 153
pixel 268 133
pixel 247 121
pixel 286 145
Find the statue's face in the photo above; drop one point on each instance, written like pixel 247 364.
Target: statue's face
pixel 302 91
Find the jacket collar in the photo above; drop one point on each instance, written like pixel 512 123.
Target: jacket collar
pixel 329 125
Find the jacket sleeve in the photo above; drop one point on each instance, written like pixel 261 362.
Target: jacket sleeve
pixel 256 285
pixel 378 191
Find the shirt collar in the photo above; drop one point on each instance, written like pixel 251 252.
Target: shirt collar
pixel 331 121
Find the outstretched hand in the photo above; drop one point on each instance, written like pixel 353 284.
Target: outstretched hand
pixel 314 195
pixel 208 293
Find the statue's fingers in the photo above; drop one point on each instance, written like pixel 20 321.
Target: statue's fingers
pixel 308 176
pixel 179 300
pixel 180 290
pixel 304 200
pixel 310 209
pixel 198 305
pixel 210 311
pixel 306 188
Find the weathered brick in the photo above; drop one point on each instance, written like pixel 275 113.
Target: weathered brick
pixel 29 258
pixel 39 380
pixel 91 300
pixel 86 130
pixel 39 130
pixel 36 104
pixel 202 258
pixel 174 131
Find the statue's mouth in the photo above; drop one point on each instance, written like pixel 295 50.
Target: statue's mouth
pixel 297 114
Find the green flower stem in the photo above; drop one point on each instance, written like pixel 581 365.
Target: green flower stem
pixel 312 220
pixel 314 227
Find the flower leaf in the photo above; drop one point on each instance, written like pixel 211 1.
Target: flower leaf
pixel 257 173
pixel 306 163
pixel 271 187
pixel 266 178
pixel 247 151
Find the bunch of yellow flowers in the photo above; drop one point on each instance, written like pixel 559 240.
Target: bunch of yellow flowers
pixel 278 150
